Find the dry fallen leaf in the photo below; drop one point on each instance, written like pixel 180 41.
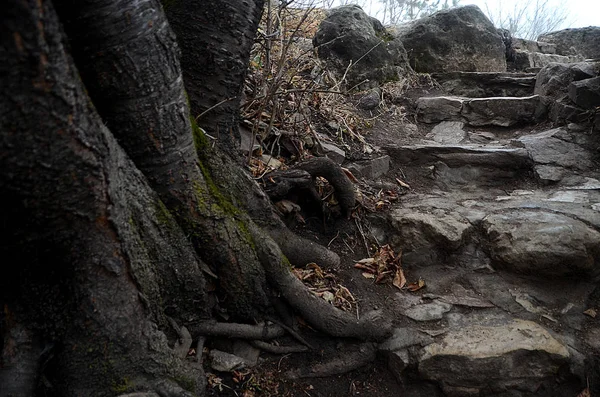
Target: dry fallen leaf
pixel 403 184
pixel 399 279
pixel 415 286
pixel 349 175
pixel 591 312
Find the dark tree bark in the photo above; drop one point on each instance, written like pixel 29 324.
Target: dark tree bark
pixel 147 112
pixel 216 38
pixel 95 258
pixel 107 238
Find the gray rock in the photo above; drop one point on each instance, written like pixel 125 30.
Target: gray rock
pixel 397 362
pixel 585 93
pixel 458 39
pixel 503 112
pixel 542 243
pixel 486 84
pixel 525 60
pixel 334 152
pixel 436 109
pixel 370 169
pixel 482 137
pixel 553 80
pixel 500 111
pixel 411 130
pixel 246 351
pixel 469 165
pixel 592 338
pixel 533 46
pixel 580 41
pixel 349 36
pixel 448 132
pixel 403 338
pixel 225 362
pixel 482 359
pixel 418 231
pixel 428 311
pixel 552 154
pixel 370 100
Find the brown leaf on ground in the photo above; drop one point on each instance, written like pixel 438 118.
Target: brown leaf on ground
pixel 326 286
pixel 403 184
pixel 399 279
pixel 591 312
pixel 415 286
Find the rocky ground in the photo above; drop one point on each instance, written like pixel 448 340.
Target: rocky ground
pixel 490 200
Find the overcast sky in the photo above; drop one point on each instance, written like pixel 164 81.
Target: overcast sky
pixel 582 12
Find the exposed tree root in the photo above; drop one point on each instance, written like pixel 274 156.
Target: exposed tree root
pixel 301 179
pixel 274 349
pixel 320 314
pixel 294 334
pixel 235 330
pixel 248 195
pixel 301 251
pixel 184 343
pixel 340 364
pixel 328 169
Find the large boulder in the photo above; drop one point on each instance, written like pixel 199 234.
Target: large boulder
pixel 358 47
pixel 458 39
pixel 580 41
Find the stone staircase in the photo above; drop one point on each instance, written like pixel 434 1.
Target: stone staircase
pixel 504 227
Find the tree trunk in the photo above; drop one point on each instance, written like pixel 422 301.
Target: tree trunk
pixel 95 258
pixel 148 114
pixel 107 238
pixel 216 37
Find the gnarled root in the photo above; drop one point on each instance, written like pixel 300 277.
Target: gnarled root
pixel 301 178
pixel 235 330
pixel 318 313
pixel 328 169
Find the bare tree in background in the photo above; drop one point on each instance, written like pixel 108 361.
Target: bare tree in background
pixel 392 12
pixel 528 19
pixel 398 11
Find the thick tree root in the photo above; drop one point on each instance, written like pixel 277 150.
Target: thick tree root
pixel 248 195
pixel 344 362
pixel 328 169
pixel 318 313
pixel 240 331
pixel 301 251
pixel 300 178
pixel 273 349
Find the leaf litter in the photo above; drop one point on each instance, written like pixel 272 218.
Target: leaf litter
pixel 385 267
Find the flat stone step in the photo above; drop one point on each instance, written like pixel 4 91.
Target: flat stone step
pixel 465 166
pixel 459 155
pixel 487 84
pixel 499 111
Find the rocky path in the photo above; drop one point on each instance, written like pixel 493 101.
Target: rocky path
pixel 504 227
